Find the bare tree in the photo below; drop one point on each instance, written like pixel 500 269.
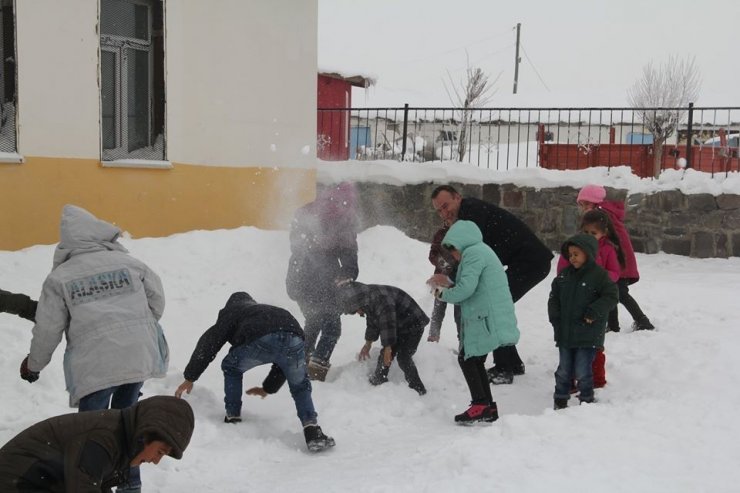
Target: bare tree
pixel 475 91
pixel 659 97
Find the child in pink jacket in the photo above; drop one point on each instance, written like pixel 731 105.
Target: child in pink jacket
pixel 593 197
pixel 609 256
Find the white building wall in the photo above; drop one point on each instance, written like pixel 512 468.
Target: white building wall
pixel 57 68
pixel 241 82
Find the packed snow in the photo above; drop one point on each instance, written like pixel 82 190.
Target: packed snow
pixel 666 422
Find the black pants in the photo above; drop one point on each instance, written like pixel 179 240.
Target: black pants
pixel 629 303
pixel 322 329
pixel 474 371
pixel 522 278
pixel 403 351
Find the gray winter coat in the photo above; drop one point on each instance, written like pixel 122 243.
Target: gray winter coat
pixel 107 305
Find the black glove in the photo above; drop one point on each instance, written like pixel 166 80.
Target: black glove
pixel 26 374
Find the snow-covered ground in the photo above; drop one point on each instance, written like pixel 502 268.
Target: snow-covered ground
pixel 666 422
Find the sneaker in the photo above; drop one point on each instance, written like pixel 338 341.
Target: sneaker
pixel 316 441
pixel 500 377
pixel 232 419
pixel 560 404
pixel 519 369
pixel 478 413
pixel 317 369
pixel 642 324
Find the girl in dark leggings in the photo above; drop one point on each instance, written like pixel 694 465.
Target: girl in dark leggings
pixel 594 197
pixel 487 314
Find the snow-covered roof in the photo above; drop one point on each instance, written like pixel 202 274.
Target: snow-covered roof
pixel 356 80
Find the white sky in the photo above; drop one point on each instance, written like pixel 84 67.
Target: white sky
pixel 588 53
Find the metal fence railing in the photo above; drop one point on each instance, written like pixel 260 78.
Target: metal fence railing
pixel 557 138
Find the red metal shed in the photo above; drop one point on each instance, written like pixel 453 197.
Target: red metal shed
pixel 334 100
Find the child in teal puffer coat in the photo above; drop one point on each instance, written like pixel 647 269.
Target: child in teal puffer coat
pixel 488 320
pixel 580 300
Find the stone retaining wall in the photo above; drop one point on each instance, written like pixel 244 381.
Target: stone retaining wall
pixel 699 225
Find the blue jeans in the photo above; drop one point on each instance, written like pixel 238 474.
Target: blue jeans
pixel 282 348
pixel 118 397
pixel 123 396
pixel 322 329
pixel 575 363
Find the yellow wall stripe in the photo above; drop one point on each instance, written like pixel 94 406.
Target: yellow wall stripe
pixel 145 202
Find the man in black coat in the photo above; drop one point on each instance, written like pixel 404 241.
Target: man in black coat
pixel 258 334
pixel 18 304
pixel 526 258
pixel 93 450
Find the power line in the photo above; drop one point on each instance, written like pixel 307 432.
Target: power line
pixel 534 68
pixel 436 56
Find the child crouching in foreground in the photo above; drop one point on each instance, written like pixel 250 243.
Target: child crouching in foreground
pixel 580 300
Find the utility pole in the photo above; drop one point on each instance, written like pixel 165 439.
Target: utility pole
pixel 516 57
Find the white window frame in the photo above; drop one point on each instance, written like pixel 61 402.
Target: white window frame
pixel 120 46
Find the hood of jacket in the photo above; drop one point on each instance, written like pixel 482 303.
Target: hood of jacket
pixel 585 242
pixel 463 234
pixel 354 296
pixel 239 298
pixel 163 418
pixel 81 232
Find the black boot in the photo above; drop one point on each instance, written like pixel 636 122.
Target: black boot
pixel 418 387
pixel 498 376
pixel 315 438
pixel 643 324
pixel 380 376
pixel 560 404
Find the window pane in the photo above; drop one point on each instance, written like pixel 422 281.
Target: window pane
pixel 108 97
pixel 122 18
pixel 7 78
pixel 138 99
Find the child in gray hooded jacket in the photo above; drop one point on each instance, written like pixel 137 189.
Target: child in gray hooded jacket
pixel 107 304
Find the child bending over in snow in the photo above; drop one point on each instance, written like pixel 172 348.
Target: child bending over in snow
pixel 394 317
